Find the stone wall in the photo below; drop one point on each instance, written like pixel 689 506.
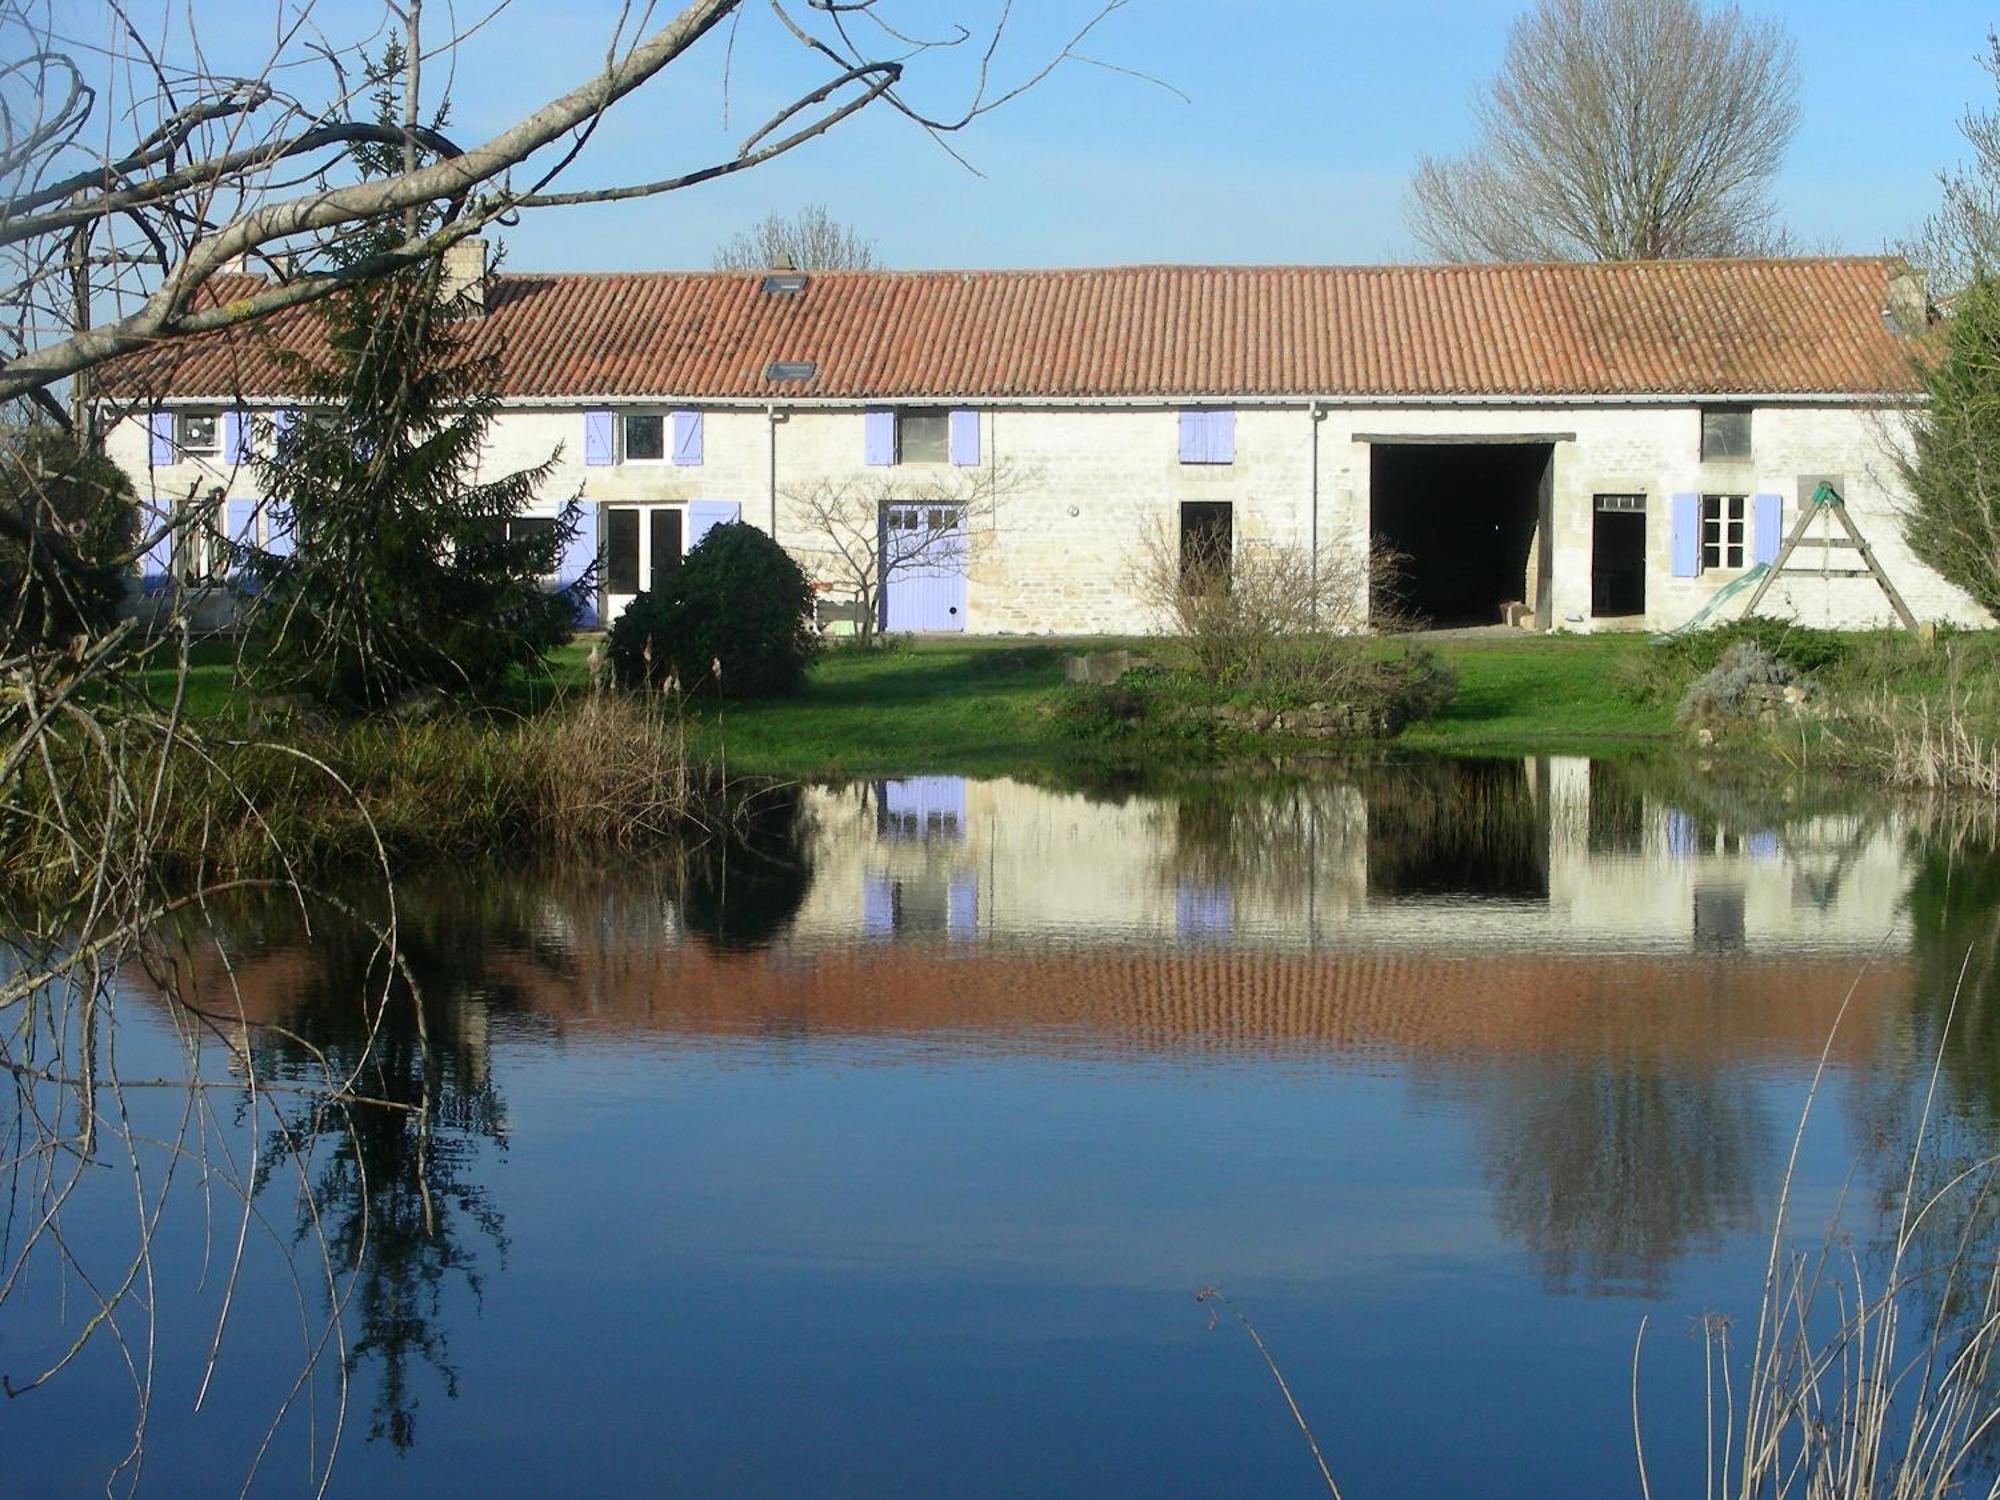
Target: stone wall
pixel 1090 480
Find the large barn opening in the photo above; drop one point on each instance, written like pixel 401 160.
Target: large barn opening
pixel 1462 519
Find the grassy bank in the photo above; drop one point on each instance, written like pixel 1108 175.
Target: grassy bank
pixel 986 706
pixel 973 705
pixel 976 705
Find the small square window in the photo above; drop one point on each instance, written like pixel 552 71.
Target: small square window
pixel 1722 531
pixel 645 437
pixel 1725 433
pixel 198 431
pixel 923 436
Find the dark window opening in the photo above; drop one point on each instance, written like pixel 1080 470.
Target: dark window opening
pixel 1207 539
pixel 1718 919
pixel 621 550
pixel 666 540
pixel 198 431
pixel 923 436
pixel 1460 520
pixel 1618 556
pixel 522 527
pixel 645 436
pixel 1722 531
pixel 1725 432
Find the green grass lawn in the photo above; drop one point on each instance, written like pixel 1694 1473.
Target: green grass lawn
pixel 966 705
pixel 982 705
pixel 974 705
pixel 1541 693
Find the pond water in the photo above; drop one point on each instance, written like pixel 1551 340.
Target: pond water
pixel 885 1150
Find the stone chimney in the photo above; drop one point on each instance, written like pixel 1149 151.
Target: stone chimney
pixel 783 262
pixel 463 277
pixel 1909 308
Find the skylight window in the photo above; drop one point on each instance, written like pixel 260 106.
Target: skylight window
pixel 790 369
pixel 784 283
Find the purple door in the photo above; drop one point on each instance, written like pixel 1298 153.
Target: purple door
pixel 923 567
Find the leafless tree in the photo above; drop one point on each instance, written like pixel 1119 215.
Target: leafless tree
pixel 810 240
pixel 1962 238
pixel 111 240
pixel 856 536
pixel 1620 130
pixel 1267 613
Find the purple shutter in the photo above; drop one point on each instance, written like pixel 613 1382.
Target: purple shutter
pixel 237 435
pixel 965 438
pixel 1684 541
pixel 962 906
pixel 1763 844
pixel 704 514
pixel 240 517
pixel 1766 517
pixel 278 529
pixel 163 439
pixel 1194 438
pixel 878 437
pixel 1222 437
pixel 878 906
pixel 156 568
pixel 1202 913
pixel 598 448
pixel 579 556
pixel 1680 834
pixel 282 423
pixel 687 438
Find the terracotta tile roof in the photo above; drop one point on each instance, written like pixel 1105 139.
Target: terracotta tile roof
pixel 1665 327
pixel 1724 1009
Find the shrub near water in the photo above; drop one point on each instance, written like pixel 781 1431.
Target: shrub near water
pixel 735 619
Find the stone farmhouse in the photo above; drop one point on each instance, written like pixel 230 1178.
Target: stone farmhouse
pixel 1598 446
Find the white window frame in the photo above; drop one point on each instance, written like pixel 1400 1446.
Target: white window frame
pixel 1730 536
pixel 185 445
pixel 903 415
pixel 659 414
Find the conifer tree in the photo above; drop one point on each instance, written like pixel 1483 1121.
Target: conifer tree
pixel 407 569
pixel 1952 469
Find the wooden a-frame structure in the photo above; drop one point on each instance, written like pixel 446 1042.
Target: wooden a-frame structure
pixel 1827 506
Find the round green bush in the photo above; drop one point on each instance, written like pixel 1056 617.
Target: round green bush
pixel 735 620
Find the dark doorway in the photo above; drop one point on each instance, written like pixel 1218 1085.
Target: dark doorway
pixel 1618 557
pixel 666 549
pixel 1206 539
pixel 1459 830
pixel 1461 520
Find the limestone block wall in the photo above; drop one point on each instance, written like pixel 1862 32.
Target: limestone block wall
pixel 1083 485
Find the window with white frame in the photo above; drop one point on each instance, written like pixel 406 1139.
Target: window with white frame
pixel 923 435
pixel 645 437
pixel 198 431
pixel 1722 531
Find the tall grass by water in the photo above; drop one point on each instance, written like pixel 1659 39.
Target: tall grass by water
pixel 589 773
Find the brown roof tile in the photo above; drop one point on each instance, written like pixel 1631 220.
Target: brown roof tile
pixel 1664 327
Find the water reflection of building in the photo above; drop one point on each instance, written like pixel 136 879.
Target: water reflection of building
pixel 1515 854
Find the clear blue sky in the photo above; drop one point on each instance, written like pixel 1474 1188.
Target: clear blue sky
pixel 1301 125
